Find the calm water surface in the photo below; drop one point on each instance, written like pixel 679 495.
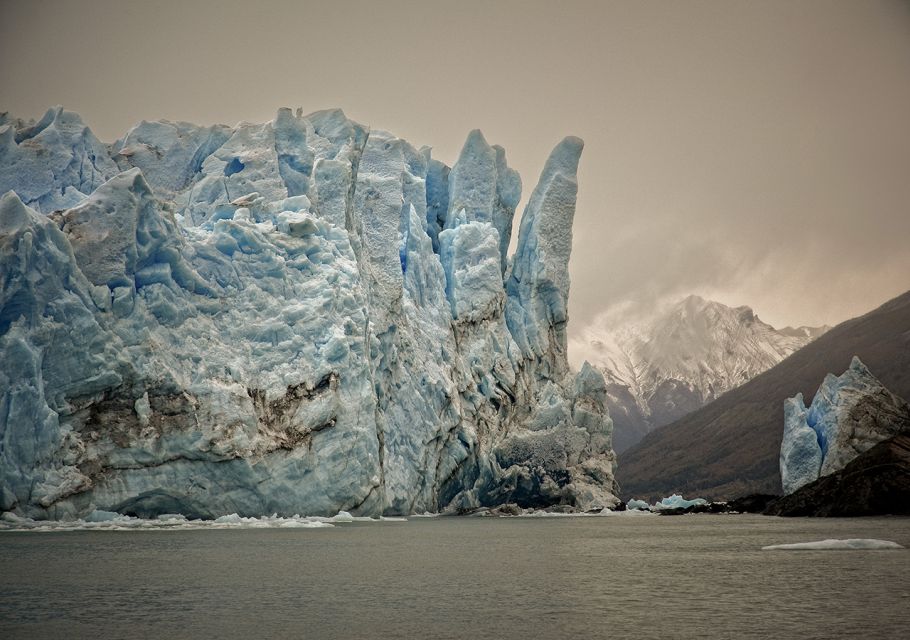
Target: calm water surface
pixel 623 577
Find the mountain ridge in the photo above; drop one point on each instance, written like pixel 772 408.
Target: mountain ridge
pixel 685 356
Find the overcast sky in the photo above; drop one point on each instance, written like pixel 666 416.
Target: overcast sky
pixel 753 152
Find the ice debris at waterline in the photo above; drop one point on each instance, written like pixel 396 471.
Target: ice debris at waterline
pixel 849 415
pixel 109 521
pixel 675 501
pixel 300 316
pixel 604 513
pixel 835 545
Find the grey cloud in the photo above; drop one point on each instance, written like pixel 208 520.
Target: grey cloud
pixel 757 152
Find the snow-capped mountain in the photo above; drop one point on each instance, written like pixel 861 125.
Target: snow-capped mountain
pixel 295 317
pixel 682 358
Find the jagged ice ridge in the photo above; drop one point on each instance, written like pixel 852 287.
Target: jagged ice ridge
pixel 849 415
pixel 297 317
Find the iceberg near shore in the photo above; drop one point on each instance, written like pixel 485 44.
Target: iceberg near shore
pixel 296 317
pixel 849 415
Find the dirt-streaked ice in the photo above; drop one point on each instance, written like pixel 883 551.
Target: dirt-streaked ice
pixel 299 316
pixel 849 414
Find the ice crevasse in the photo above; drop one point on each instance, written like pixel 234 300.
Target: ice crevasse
pixel 297 317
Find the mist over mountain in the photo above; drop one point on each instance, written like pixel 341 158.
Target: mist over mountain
pixel 682 357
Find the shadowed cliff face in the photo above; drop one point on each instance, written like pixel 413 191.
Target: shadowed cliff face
pixel 299 316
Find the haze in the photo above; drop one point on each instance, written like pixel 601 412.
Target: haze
pixel 754 153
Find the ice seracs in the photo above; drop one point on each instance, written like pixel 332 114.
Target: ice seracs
pixel 53 163
pixel 849 414
pixel 538 286
pixel 301 316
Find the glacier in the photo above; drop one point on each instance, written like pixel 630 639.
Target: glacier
pixel 849 415
pixel 303 316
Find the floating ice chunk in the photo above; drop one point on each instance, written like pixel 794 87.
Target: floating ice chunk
pixel 637 504
pixel 676 501
pixel 343 516
pixel 833 544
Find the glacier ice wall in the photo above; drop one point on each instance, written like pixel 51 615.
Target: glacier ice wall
pixel 849 415
pixel 297 317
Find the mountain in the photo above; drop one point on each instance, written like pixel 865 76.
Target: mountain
pixel 295 317
pixel 731 447
pixel 683 358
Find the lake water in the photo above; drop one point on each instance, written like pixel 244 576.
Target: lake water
pixel 699 576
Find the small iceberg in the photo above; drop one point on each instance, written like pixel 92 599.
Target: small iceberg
pixel 676 501
pixel 835 545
